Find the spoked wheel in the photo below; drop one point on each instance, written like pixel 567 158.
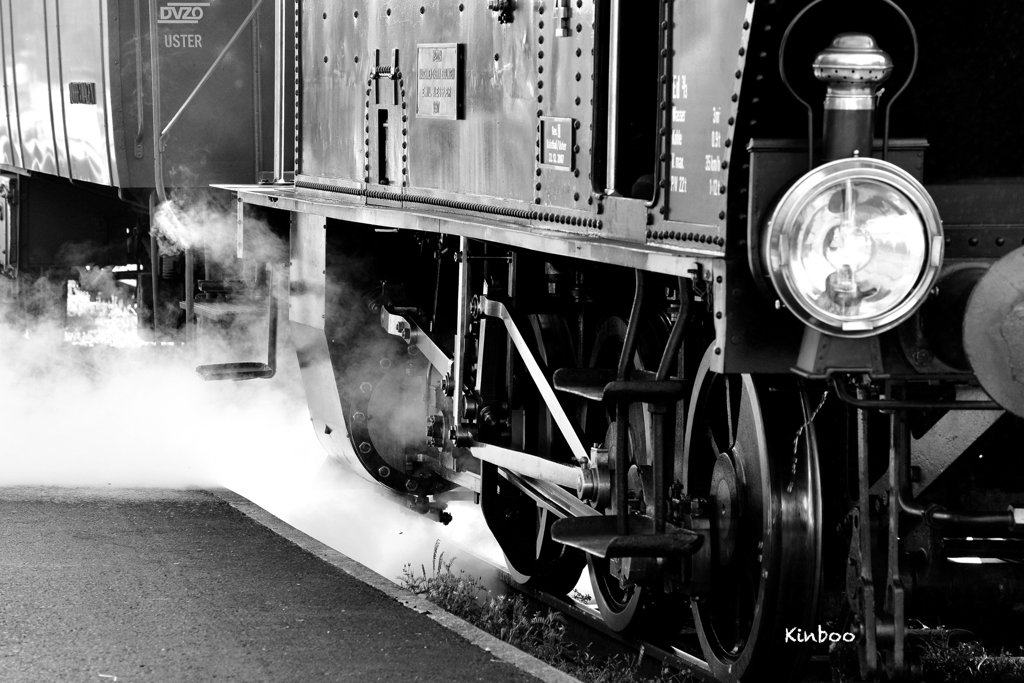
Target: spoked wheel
pixel 627 605
pixel 521 527
pixel 764 501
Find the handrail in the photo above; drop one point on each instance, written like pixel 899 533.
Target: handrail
pixel 279 89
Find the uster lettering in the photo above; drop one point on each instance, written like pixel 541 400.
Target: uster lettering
pixel 183 40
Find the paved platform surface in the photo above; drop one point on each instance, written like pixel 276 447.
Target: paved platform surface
pixel 157 585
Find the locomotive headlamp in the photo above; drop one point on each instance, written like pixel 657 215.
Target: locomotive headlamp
pixel 853 247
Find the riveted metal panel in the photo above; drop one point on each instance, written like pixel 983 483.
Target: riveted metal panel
pixel 513 72
pixel 31 85
pixel 707 43
pixel 83 61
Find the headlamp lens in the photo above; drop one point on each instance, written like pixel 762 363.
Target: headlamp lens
pixel 853 247
pixel 856 251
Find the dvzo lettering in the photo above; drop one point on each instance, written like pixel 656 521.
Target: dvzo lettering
pixel 182 12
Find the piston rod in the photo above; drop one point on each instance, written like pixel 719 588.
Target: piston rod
pixel 529 465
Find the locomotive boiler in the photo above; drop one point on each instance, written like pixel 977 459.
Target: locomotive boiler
pixel 717 301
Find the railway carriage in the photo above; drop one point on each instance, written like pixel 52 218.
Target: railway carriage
pixel 717 301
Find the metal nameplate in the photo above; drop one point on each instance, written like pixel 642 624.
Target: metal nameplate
pixel 439 81
pixel 557 140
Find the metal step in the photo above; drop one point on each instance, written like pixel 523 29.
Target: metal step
pixel 598 384
pixel 235 371
pixel 220 310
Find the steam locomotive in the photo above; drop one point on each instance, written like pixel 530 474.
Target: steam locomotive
pixel 666 287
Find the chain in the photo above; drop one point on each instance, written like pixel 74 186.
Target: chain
pixel 796 442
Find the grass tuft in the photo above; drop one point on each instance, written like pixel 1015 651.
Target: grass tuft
pixel 969 661
pixel 511 619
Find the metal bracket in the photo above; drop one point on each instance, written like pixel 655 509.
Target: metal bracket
pixel 405 326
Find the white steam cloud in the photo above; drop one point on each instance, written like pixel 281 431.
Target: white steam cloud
pixel 123 413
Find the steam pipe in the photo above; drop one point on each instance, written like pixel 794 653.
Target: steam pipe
pixel 893 403
pixel 139 105
pixel 1006 523
pixel 158 155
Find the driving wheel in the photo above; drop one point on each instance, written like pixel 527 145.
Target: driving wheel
pixel 746 455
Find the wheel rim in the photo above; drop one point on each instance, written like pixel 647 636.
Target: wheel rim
pixel 765 575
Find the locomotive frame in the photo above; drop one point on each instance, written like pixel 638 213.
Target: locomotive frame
pixel 537 252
